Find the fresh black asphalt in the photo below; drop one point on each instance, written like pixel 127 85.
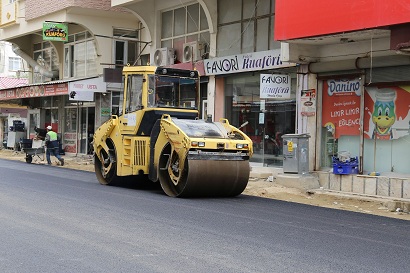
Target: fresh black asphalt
pixel 55 219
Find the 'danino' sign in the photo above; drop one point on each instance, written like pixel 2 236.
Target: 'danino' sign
pixel 273 86
pixel 341 106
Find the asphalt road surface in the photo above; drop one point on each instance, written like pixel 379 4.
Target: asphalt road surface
pixel 60 220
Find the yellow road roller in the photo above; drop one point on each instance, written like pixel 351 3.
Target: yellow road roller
pixel 158 136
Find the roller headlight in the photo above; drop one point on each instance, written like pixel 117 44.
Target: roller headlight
pixel 197 144
pixel 241 146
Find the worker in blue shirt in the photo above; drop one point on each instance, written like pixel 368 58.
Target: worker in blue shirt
pixel 52 146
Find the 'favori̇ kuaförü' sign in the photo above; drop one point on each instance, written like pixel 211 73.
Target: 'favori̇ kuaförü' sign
pixel 274 86
pixel 253 61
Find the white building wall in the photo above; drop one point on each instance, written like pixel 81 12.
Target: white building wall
pixel 98 22
pixel 5 53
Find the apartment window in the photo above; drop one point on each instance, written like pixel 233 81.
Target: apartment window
pixel 80 56
pixel 14 63
pixel 125 47
pixel 182 25
pixel 46 56
pixel 245 27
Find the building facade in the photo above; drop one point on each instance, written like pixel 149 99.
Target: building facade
pixel 357 63
pixel 67 46
pixel 232 47
pixel 12 74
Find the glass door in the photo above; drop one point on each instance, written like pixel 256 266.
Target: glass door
pixel 86 129
pixel 33 122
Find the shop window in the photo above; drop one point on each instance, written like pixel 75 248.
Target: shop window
pixel 70 130
pixel 340 119
pixel 386 129
pixel 51 118
pixel 80 56
pixel 263 120
pixel 46 102
pixel 385 125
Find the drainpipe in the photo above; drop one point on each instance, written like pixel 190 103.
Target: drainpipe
pixel 37 68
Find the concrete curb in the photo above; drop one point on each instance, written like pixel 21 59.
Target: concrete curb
pixel 393 204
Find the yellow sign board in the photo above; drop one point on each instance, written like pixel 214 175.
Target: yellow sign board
pixel 290 146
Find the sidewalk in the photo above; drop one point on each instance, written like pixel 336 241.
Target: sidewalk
pixel 269 183
pixel 263 183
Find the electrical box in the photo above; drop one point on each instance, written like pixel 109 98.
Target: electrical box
pixel 296 153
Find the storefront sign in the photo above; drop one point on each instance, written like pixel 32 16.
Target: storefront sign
pixel 341 106
pixel 261 118
pixel 70 142
pixel 34 91
pixel 308 102
pixel 84 90
pixel 55 31
pixel 293 19
pixel 387 112
pixel 274 86
pixel 245 62
pixel 105 112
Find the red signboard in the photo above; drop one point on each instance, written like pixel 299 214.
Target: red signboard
pixel 301 18
pixel 341 107
pixel 34 91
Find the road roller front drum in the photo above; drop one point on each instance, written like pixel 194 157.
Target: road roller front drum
pixel 202 177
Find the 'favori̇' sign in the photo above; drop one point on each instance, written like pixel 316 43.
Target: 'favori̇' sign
pixel 274 86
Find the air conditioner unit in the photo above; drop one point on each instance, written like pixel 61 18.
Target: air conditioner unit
pixel 191 52
pixel 163 56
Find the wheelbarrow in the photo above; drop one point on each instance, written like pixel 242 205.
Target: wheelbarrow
pixel 32 152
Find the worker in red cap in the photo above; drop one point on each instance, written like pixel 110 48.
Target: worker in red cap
pixel 52 146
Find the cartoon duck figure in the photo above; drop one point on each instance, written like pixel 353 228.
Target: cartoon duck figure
pixel 384 114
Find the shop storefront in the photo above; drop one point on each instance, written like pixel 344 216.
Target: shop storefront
pixel 367 121
pixel 69 107
pixel 258 95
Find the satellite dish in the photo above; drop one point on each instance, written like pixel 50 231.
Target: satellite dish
pixel 158 57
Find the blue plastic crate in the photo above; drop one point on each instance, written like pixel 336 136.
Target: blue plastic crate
pixel 347 167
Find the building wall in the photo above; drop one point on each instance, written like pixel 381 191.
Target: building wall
pixel 6 52
pixel 219 98
pixel 101 25
pixel 35 8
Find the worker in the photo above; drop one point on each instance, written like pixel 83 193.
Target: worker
pixel 52 146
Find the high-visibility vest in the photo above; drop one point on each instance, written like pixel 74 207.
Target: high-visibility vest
pixel 53 135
